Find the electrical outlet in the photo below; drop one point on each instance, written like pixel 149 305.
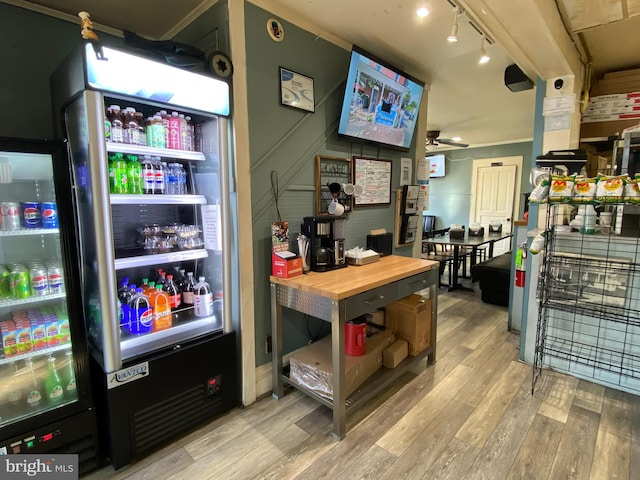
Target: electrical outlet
pixel 268 343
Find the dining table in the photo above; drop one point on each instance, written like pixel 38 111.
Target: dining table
pixel 468 241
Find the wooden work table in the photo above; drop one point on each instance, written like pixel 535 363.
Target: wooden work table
pixel 343 294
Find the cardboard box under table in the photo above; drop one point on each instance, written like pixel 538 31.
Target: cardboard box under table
pixel 410 319
pixel 312 367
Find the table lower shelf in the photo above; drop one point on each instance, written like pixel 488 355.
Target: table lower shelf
pixel 372 386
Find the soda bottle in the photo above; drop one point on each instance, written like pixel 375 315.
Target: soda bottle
pixel 172 290
pixel 131 132
pixel 188 290
pixel 149 288
pixel 124 295
pixel 162 277
pixel 141 313
pixel 142 132
pixel 203 299
pixel 35 397
pixel 148 176
pixel 118 174
pixel 117 128
pixel 53 385
pixel 134 174
pixel 159 176
pixel 107 126
pixel 68 377
pixel 161 305
pixel 158 133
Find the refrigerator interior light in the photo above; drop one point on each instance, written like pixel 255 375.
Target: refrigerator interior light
pixel 159 82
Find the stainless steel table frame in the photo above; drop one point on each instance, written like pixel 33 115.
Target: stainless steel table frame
pixel 337 312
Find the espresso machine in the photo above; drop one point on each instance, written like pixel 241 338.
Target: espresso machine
pixel 326 242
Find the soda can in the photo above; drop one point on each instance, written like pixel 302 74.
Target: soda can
pixel 31 214
pixel 19 283
pixel 39 282
pixel 55 278
pixel 5 280
pixel 49 212
pixel 9 216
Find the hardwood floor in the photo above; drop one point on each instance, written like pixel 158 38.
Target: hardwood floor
pixel 471 415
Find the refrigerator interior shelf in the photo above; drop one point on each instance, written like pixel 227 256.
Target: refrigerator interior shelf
pixel 179 332
pixel 31 300
pixel 28 231
pixel 36 353
pixel 117 199
pixel 155 152
pixel 170 257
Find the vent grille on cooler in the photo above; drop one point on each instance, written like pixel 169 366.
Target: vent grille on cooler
pixel 85 448
pixel 176 414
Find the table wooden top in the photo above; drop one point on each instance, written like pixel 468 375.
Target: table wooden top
pixel 345 282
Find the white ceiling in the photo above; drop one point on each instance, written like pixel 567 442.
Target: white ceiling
pixel 465 99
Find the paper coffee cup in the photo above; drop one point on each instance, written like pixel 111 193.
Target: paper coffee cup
pixel 348 188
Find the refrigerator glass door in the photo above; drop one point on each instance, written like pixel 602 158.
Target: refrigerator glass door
pixel 169 225
pixel 37 371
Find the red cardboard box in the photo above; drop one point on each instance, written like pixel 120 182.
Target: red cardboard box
pixel 285 267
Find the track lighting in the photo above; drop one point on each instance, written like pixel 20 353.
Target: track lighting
pixel 453 37
pixel 484 58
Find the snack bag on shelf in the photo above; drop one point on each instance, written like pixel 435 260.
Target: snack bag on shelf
pixel 537 244
pixel 584 190
pixel 540 193
pixel 561 188
pixel 610 188
pixel 632 190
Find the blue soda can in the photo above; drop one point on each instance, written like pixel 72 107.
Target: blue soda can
pixel 49 212
pixel 31 215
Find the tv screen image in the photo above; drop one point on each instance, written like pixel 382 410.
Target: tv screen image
pixel 380 103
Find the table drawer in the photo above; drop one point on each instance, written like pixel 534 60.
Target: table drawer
pixel 410 285
pixel 370 300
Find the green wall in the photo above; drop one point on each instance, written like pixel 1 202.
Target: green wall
pixel 450 196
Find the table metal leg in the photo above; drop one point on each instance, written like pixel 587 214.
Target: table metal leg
pixel 337 357
pixel 455 285
pixel 276 344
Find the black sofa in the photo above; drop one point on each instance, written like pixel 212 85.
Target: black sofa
pixel 494 276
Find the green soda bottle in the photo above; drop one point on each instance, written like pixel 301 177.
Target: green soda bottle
pixel 68 377
pixel 53 385
pixel 134 174
pixel 118 174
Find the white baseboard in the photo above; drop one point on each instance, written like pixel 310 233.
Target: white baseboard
pixel 264 380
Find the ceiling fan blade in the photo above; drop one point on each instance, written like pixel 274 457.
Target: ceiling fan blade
pixel 447 141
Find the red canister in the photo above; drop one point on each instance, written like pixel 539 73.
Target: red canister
pixel 355 334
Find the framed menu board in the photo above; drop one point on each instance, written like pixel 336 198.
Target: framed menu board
pixel 374 175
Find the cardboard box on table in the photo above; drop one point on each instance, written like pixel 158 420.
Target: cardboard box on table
pixel 312 366
pixel 410 319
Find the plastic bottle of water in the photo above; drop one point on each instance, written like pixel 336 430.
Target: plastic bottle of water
pixel 124 295
pixel 141 313
pixel 203 299
pixel 173 187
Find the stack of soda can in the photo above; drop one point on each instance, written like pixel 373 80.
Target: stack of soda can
pixel 19 281
pixel 14 215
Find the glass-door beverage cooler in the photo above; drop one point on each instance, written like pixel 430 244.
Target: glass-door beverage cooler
pixel 45 392
pixel 150 170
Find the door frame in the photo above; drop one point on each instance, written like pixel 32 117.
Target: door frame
pixel 516 160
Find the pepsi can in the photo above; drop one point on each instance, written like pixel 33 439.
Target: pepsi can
pixel 9 216
pixel 49 213
pixel 39 280
pixel 55 278
pixel 31 215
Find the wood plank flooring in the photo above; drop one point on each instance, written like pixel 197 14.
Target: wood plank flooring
pixel 471 415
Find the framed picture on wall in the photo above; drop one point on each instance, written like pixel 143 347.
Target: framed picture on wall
pixel 296 90
pixel 436 165
pixel 373 177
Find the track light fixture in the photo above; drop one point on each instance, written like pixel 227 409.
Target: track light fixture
pixel 484 58
pixel 453 37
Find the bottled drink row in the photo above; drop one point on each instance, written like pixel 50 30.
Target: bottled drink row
pixel 151 176
pixel 18 215
pixel 36 385
pixel 148 307
pixel 36 279
pixel 162 130
pixel 34 329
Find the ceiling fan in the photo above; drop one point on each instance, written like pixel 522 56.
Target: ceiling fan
pixel 434 141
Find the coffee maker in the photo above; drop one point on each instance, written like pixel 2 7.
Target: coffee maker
pixel 326 241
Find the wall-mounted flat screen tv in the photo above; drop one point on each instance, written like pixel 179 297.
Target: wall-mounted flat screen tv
pixel 436 165
pixel 380 104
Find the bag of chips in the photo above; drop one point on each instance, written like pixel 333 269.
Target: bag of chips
pixel 540 193
pixel 632 190
pixel 561 188
pixel 610 188
pixel 584 190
